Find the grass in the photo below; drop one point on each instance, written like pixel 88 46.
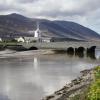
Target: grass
pixel 94 92
pixel 83 95
pixel 8 43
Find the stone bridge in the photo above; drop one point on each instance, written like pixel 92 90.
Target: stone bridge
pixel 62 45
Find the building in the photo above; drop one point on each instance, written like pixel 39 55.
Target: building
pixel 46 39
pixel 37 33
pixel 29 39
pixel 0 39
pixel 37 36
pixel 20 39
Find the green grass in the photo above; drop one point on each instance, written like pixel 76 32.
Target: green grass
pixel 94 92
pixel 8 43
pixel 83 95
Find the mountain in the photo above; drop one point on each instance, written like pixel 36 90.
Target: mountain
pixel 18 25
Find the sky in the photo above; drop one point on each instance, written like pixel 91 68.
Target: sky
pixel 84 12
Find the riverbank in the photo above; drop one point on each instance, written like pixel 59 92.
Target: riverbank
pixel 13 53
pixel 78 89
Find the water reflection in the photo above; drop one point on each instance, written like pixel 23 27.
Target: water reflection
pixel 35 63
pixel 97 54
pixel 91 55
pixel 80 54
pixel 4 97
pixel 33 77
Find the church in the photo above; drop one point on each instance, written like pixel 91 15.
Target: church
pixel 38 35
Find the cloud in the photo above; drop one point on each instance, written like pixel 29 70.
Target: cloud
pixel 26 1
pixel 85 12
pixel 52 8
pixel 63 7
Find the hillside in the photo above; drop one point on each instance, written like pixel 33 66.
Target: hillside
pixel 15 25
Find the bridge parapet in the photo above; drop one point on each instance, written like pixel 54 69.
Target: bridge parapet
pixel 60 45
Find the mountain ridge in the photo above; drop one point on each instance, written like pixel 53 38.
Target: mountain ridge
pixel 15 24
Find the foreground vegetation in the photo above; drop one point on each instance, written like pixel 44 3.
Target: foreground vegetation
pixel 94 92
pixel 85 87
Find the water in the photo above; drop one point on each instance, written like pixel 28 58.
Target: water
pixel 33 77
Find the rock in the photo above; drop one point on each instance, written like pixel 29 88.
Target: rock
pixel 75 87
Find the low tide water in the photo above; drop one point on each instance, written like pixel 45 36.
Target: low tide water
pixel 33 77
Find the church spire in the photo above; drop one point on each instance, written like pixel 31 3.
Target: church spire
pixel 38 26
pixel 37 32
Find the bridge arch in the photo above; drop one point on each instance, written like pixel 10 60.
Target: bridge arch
pixel 91 49
pixel 80 49
pixel 70 50
pixel 33 48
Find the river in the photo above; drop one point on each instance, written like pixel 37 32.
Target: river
pixel 32 77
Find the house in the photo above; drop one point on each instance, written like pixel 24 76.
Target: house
pixel 46 39
pixel 20 39
pixel 29 39
pixel 0 39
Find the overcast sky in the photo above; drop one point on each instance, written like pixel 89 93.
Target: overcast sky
pixel 85 12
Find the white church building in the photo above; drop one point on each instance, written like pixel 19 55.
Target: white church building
pixel 37 33
pixel 37 36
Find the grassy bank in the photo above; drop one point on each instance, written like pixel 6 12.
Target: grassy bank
pixel 94 92
pixel 85 87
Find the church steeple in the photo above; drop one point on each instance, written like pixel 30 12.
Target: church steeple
pixel 37 33
pixel 38 26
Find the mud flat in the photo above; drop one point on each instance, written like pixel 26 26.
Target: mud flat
pixel 76 87
pixel 12 53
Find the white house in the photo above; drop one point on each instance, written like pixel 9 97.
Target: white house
pixel 46 39
pixel 20 39
pixel 0 40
